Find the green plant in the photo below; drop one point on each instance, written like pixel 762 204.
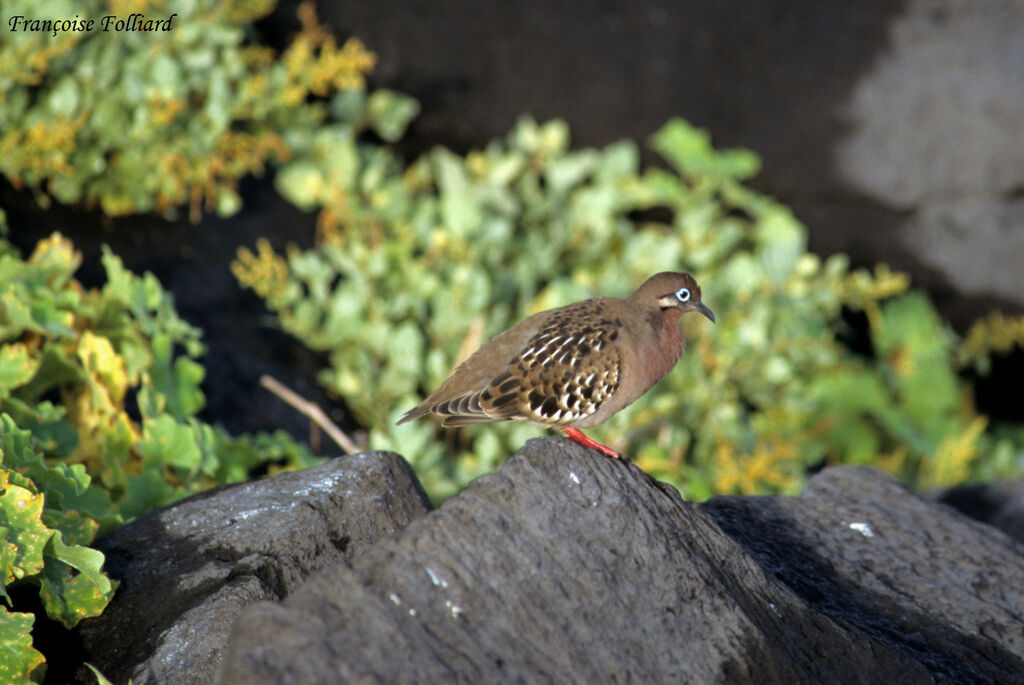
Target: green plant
pixel 418 264
pixel 142 121
pixel 99 391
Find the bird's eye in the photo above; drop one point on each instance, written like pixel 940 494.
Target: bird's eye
pixel 683 294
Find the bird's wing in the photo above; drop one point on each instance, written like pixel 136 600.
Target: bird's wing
pixel 471 377
pixel 558 370
pixel 562 374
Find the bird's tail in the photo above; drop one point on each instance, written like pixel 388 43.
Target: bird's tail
pixel 412 414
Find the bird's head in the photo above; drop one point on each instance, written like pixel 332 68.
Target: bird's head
pixel 677 292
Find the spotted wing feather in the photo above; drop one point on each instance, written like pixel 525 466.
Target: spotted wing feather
pixel 563 374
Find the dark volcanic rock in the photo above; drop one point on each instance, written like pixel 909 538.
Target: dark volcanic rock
pixel 859 548
pixel 563 566
pixel 566 566
pixel 188 570
pixel 997 504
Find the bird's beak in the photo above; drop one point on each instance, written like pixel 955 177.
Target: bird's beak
pixel 705 310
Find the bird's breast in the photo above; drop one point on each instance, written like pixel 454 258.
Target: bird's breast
pixel 658 355
pixel 646 360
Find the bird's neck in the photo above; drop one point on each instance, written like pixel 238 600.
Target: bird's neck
pixel 669 347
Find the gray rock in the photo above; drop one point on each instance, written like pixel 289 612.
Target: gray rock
pixel 566 566
pixel 562 566
pixel 188 570
pixel 934 131
pixel 859 548
pixel 997 504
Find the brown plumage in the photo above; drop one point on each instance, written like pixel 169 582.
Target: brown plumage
pixel 574 366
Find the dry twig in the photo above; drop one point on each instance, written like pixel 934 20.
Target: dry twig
pixel 311 410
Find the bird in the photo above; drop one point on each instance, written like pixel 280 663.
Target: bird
pixel 574 366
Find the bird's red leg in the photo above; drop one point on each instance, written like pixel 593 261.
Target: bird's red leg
pixel 577 436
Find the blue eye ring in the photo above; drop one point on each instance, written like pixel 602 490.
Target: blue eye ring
pixel 683 294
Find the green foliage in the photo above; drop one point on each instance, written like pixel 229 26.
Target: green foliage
pixel 100 678
pixel 418 265
pixel 74 463
pixel 996 333
pixel 908 411
pixel 19 662
pixel 142 121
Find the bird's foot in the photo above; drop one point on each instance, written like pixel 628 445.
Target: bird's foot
pixel 577 436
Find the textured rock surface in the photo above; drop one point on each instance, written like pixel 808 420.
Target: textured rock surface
pixel 572 567
pixel 997 504
pixel 857 547
pixel 188 570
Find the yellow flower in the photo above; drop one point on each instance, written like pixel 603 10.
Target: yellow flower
pixel 265 272
pixel 953 457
